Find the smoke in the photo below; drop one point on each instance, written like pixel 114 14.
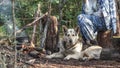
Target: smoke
pixel 6 15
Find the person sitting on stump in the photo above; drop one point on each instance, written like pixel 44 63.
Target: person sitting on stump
pixel 97 15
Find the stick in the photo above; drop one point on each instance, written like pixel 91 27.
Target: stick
pixel 37 14
pixel 46 26
pixel 30 24
pixel 29 64
pixel 14 33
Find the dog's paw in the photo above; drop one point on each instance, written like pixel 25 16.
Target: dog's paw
pixel 86 59
pixel 67 58
pixel 48 57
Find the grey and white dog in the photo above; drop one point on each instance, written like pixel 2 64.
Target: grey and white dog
pixel 70 47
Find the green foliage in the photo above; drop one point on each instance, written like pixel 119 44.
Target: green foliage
pixel 25 10
pixel 2 28
pixel 2 31
pixel 2 20
pixel 71 10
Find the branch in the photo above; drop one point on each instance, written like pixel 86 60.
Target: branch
pixel 37 14
pixel 46 26
pixel 30 24
pixel 14 33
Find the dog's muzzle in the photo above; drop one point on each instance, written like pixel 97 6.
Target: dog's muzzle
pixel 70 41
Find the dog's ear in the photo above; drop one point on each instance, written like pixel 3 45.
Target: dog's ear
pixel 77 29
pixel 64 28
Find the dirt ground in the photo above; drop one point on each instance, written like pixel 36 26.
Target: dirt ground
pixel 59 63
pixel 24 60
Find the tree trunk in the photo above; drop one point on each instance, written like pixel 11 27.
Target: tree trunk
pixel 105 39
pixel 52 35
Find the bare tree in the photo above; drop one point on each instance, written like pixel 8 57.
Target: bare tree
pixel 14 33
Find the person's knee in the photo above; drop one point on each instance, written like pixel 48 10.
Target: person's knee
pixel 80 16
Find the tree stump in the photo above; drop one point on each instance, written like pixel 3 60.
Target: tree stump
pixel 110 44
pixel 116 42
pixel 105 39
pixel 52 36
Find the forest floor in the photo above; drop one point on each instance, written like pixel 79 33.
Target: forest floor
pixel 24 60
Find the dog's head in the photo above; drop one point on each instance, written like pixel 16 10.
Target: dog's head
pixel 71 35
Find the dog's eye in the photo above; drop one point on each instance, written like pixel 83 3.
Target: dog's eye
pixel 68 35
pixel 73 35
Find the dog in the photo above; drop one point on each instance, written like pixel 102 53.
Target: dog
pixel 92 52
pixel 70 46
